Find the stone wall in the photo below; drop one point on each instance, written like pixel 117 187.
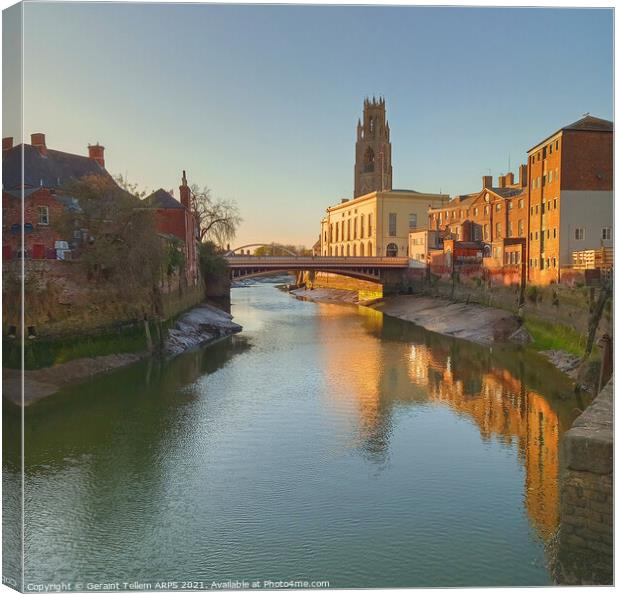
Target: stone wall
pixel 585 538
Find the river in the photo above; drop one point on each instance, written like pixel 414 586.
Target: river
pixel 324 443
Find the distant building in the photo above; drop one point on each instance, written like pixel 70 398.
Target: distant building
pixel 175 219
pixel 571 196
pixel 45 173
pixel 421 243
pixel 376 224
pixel 377 220
pixel 373 150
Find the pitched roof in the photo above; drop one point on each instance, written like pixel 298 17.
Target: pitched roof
pixel 162 199
pixel 50 171
pixel 587 123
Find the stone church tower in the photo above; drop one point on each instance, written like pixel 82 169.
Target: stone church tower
pixel 373 150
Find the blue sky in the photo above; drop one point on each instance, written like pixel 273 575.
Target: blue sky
pixel 261 102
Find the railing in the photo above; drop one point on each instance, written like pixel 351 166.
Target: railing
pixel 298 261
pixel 602 258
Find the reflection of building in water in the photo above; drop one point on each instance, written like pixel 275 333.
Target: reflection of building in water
pixel 370 376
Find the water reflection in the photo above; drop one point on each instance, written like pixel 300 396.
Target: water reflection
pixel 498 391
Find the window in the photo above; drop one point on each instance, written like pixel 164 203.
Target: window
pixel 413 220
pixel 361 226
pixel 498 230
pixel 392 224
pixel 509 204
pixel 521 203
pixel 355 228
pixel 557 145
pixel 510 229
pixel 486 232
pixel 550 176
pixel 555 203
pixel 369 226
pixel 549 205
pixel 606 233
pixel 520 228
pixel 44 215
pixel 554 232
pixel 486 209
pixel 391 250
pixel 475 212
pixel 348 230
pixel 580 233
pixel 555 263
pixel 532 210
pixel 536 235
pixel 498 207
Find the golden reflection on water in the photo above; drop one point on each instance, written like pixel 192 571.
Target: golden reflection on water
pixel 368 378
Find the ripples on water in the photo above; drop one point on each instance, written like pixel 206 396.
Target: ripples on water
pixel 326 442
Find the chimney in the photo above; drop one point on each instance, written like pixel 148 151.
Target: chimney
pixel 487 181
pixel 95 152
pixel 501 181
pixel 510 179
pixel 37 140
pixel 523 176
pixel 7 145
pixel 184 192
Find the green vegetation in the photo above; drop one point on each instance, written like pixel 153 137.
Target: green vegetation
pixel 552 336
pixel 213 265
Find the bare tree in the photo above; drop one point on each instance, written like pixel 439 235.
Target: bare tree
pixel 218 219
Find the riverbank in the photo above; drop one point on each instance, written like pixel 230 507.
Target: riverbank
pixel 198 327
pixel 476 323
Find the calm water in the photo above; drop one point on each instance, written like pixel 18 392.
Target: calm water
pixel 325 442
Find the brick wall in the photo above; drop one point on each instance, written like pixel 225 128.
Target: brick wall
pixel 585 537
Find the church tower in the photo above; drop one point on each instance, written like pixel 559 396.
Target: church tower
pixel 373 150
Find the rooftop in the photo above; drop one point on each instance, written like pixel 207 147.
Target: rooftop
pixel 162 199
pixel 52 170
pixel 587 123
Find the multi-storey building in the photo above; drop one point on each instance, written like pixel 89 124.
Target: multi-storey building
pixel 174 219
pixel 571 196
pixel 39 183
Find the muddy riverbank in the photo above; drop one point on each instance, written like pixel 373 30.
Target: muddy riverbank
pixel 197 327
pixel 483 325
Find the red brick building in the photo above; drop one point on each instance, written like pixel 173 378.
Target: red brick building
pixel 45 172
pixel 492 223
pixel 571 197
pixel 175 219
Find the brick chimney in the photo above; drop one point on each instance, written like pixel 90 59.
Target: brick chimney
pixel 487 181
pixel 184 192
pixel 37 140
pixel 501 181
pixel 95 152
pixel 523 176
pixel 7 145
pixel 510 179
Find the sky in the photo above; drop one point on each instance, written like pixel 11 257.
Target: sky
pixel 260 102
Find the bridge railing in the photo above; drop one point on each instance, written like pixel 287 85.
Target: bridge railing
pixel 298 261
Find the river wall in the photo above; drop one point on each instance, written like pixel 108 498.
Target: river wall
pixel 585 539
pixel 60 301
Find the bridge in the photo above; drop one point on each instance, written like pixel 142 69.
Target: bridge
pixel 381 269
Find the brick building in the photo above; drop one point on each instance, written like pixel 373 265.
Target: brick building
pixel 45 173
pixel 571 196
pixel 492 223
pixel 175 219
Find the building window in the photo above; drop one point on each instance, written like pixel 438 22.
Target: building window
pixel 536 235
pixel 475 212
pixel 391 250
pixel 486 209
pixel 498 230
pixel 606 233
pixel 392 224
pixel 554 233
pixel 369 225
pixel 555 203
pixel 498 207
pixel 44 215
pixel 361 226
pixel 486 232
pixel 555 263
pixel 413 220
pixel 580 233
pixel 520 228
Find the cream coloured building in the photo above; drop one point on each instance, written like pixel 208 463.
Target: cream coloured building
pixel 376 224
pixel 377 220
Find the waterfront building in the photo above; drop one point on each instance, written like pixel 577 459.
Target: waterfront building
pixel 377 220
pixel 45 173
pixel 421 243
pixel 571 197
pixel 176 220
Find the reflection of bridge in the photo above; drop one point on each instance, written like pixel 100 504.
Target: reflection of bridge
pixel 378 269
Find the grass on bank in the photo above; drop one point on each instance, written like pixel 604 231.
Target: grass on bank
pixel 551 336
